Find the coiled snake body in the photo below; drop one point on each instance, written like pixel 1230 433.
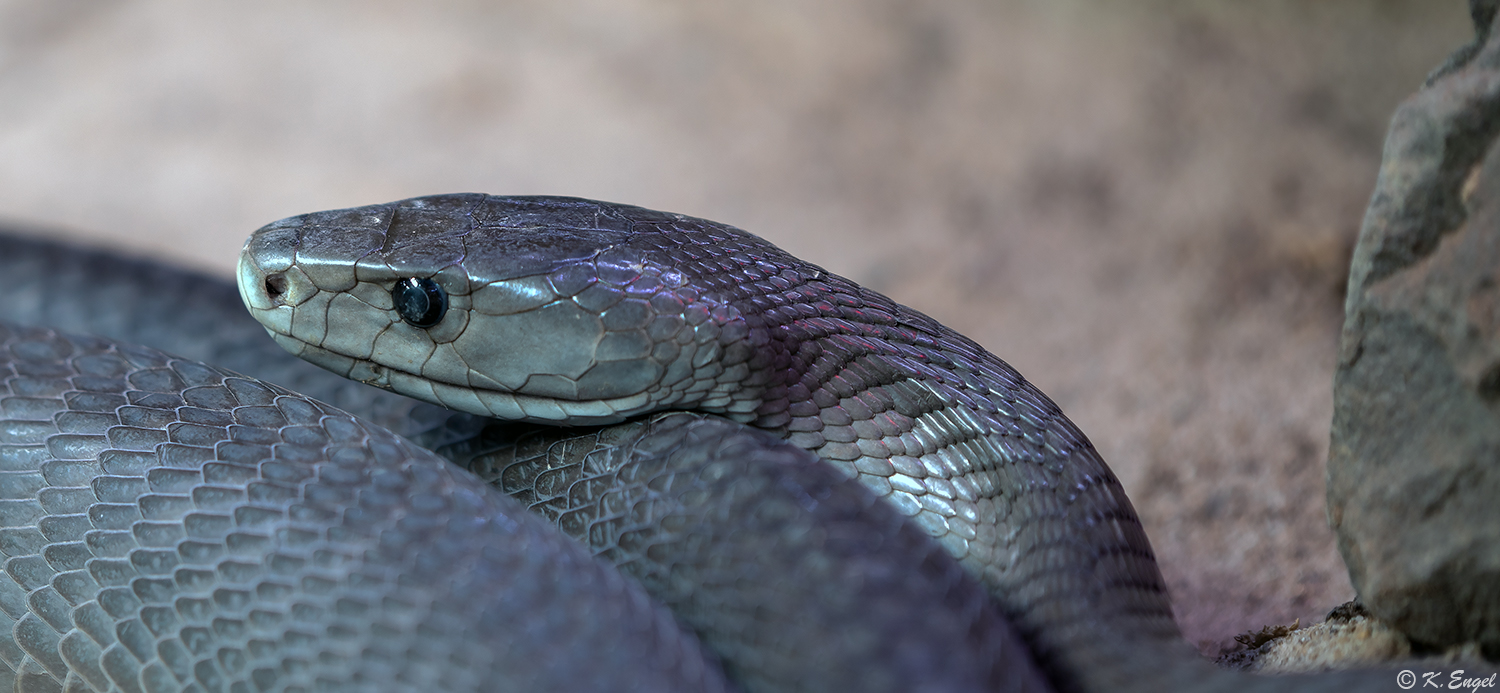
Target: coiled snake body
pixel 259 540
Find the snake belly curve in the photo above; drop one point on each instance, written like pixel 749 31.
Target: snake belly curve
pixel 580 297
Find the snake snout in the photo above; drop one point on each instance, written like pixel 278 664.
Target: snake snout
pixel 271 286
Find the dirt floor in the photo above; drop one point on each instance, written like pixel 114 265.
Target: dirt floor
pixel 1145 207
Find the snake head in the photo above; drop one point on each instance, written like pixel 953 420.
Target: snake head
pixel 524 308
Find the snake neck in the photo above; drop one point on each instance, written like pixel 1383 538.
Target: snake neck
pixel 959 442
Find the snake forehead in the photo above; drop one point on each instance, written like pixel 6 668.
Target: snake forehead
pixel 557 309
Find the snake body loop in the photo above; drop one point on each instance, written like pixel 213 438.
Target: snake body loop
pixel 172 526
pixel 580 311
pixel 583 313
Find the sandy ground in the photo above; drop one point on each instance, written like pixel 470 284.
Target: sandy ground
pixel 1148 211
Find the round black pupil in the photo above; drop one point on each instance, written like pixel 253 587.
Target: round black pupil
pixel 421 302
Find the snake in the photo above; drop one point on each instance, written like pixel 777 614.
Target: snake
pixel 636 451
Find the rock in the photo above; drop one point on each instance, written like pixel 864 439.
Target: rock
pixel 1414 464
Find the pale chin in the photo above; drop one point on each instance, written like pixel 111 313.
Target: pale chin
pixel 509 406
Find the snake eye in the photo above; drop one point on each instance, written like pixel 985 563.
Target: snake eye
pixel 421 302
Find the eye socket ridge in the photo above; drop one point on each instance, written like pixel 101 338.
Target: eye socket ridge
pixel 420 302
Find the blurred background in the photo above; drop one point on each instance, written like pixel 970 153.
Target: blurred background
pixel 1145 207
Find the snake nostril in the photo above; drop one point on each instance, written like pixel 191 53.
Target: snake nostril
pixel 276 286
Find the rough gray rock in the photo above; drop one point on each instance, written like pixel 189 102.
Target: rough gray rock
pixel 1414 464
